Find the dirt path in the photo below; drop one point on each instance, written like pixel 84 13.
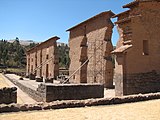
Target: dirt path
pixel 3 82
pixel 148 110
pixel 22 98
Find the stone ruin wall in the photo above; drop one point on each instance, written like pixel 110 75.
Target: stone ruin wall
pixel 47 92
pixel 87 39
pixel 74 53
pixel 8 95
pixel 99 46
pixel 50 49
pixel 141 73
pixel 39 55
pixel 144 72
pixel 142 83
pixel 71 91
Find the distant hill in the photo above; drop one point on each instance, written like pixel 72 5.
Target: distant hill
pixel 28 42
pixel 22 42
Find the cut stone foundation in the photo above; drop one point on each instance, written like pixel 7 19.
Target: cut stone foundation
pixel 8 95
pixel 71 91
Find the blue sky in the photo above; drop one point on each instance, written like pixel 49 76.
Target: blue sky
pixel 39 20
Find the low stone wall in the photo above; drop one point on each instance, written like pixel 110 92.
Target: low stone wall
pixel 71 91
pixel 142 83
pixel 34 94
pixel 8 95
pixel 77 103
pixel 31 92
pixel 48 92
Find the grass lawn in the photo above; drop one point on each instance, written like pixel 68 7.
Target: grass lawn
pixel 16 69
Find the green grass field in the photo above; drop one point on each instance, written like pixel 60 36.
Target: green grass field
pixel 15 70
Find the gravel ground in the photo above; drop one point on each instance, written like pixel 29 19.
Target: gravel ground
pixel 148 110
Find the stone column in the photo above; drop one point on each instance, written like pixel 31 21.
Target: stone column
pixel 35 63
pixel 28 64
pixel 83 58
pixel 119 84
pixel 56 61
pixel 108 76
pixel 39 61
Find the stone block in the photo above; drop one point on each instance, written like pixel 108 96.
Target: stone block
pixel 73 91
pixel 32 77
pixel 39 79
pixel 47 80
pixel 8 95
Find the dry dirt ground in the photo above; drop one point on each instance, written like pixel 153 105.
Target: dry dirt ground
pixel 148 110
pixel 3 83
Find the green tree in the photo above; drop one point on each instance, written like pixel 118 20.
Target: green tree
pixel 63 51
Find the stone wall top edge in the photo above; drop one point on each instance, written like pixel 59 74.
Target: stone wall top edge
pixel 55 38
pixel 80 84
pixel 96 16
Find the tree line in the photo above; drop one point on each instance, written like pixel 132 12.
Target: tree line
pixel 12 54
pixel 63 52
